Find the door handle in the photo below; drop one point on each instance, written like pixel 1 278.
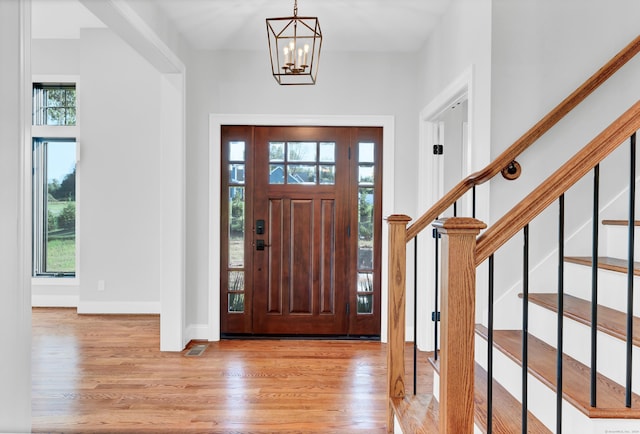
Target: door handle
pixel 260 245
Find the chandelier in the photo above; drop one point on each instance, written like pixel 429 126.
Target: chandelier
pixel 294 48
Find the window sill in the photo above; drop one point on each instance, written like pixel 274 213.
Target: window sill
pixel 55 281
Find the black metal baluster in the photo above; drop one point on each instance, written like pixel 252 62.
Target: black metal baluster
pixel 473 202
pixel 594 285
pixel 560 344
pixel 436 236
pixel 630 265
pixel 415 313
pixel 490 351
pixel 455 209
pixel 525 328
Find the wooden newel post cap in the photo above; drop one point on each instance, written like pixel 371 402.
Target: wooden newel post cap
pixel 459 225
pixel 398 219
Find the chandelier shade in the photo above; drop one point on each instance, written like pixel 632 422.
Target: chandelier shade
pixel 294 48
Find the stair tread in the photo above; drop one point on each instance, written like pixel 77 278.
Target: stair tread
pixel 606 263
pixel 417 413
pixel 610 321
pixel 576 376
pixel 507 411
pixel 610 222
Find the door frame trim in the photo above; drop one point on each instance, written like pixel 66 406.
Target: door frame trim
pixel 217 120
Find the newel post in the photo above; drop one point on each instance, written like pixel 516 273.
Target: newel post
pixel 458 287
pixel 396 318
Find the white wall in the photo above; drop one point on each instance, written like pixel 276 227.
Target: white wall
pixel 152 36
pixel 55 56
pixel 15 308
pixel 541 52
pixel 241 83
pixel 119 171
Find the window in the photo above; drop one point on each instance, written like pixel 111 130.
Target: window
pixel 308 163
pixel 54 141
pixel 54 104
pixel 236 226
pixel 54 207
pixel 366 185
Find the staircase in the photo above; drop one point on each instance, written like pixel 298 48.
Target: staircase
pixel 477 390
pixel 610 413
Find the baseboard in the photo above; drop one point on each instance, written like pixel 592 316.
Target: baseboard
pixel 197 332
pixel 42 300
pixel 119 307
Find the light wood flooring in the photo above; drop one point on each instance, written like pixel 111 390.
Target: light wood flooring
pixel 105 374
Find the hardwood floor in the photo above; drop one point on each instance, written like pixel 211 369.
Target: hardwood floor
pixel 105 374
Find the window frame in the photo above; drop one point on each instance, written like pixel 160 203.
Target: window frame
pixel 40 113
pixel 56 133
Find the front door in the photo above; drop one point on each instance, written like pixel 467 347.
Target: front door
pixel 306 261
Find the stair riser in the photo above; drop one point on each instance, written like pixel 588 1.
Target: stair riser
pixel 577 344
pixel 617 241
pixel 612 286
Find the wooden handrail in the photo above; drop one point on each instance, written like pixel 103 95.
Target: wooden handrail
pixel 558 183
pixel 520 145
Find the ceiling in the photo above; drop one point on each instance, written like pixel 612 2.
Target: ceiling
pixel 347 25
pixel 60 19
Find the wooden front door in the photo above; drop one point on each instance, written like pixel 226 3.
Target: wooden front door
pixel 309 260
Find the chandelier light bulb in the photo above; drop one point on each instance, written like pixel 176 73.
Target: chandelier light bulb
pixel 306 52
pixel 286 55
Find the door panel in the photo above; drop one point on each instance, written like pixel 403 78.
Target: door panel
pixel 327 257
pixel 302 267
pixel 276 259
pixel 301 180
